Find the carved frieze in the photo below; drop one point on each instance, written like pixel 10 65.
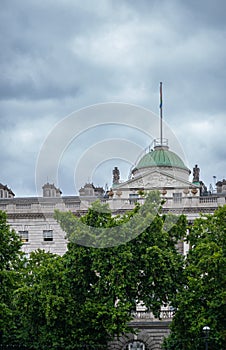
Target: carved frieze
pixel 155 180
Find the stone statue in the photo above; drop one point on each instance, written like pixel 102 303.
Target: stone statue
pixel 116 175
pixel 196 172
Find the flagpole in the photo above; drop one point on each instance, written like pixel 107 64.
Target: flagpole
pixel 160 106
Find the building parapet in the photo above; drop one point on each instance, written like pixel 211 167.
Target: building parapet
pixel 39 205
pixel 143 315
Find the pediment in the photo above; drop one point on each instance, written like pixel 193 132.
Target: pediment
pixel 155 179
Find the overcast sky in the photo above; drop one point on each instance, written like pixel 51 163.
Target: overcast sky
pixel 58 57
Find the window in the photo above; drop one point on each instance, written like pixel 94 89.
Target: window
pixel 48 235
pixel 48 205
pixel 23 206
pixel 73 205
pixel 46 193
pixel 177 197
pixel 133 197
pixel 24 236
pixel 136 345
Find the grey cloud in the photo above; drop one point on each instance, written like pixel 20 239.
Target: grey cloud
pixel 57 57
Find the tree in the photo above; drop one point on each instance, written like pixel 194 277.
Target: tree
pixel 87 296
pixel 126 259
pixel 57 306
pixel 202 301
pixel 10 263
pixel 38 303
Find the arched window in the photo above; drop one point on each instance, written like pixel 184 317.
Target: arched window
pixel 135 345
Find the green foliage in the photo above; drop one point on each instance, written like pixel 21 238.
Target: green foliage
pixel 203 299
pixel 10 262
pixel 87 295
pixel 99 229
pixel 139 264
pixel 39 303
pixel 10 245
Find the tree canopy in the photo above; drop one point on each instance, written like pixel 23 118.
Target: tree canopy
pixel 137 261
pixel 112 263
pixel 10 260
pixel 202 301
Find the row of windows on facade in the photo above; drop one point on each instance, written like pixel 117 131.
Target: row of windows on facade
pixel 47 236
pixel 177 197
pixel 28 206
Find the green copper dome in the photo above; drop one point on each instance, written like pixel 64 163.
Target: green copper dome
pixel 161 156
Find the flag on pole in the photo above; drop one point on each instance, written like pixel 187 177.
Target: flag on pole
pixel 160 106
